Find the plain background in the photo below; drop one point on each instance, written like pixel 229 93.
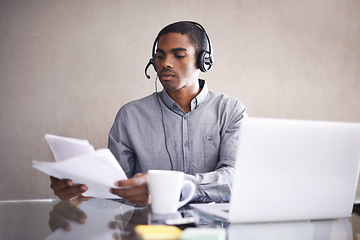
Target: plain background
pixel 66 67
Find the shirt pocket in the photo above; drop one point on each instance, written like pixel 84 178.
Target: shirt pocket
pixel 211 151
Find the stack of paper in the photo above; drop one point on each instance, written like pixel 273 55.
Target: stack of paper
pixel 77 160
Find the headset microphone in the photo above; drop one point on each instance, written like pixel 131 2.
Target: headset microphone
pixel 151 62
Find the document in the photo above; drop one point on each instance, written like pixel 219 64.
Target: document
pixel 64 148
pixel 79 161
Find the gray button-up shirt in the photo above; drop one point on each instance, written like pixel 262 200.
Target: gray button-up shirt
pixel 154 133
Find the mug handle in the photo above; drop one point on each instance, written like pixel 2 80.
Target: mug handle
pixel 192 192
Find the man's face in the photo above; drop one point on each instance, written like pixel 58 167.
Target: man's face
pixel 176 62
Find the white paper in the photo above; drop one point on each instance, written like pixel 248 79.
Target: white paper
pixel 77 160
pixel 64 148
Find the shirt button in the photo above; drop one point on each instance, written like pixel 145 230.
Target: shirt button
pixel 185 117
pixel 186 144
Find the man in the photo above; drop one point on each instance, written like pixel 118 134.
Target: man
pixel 185 127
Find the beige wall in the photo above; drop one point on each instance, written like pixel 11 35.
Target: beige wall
pixel 67 66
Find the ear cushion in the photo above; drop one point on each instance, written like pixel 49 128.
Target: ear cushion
pixel 204 61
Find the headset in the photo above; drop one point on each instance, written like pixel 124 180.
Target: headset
pixel 205 60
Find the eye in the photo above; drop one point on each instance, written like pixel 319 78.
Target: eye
pixel 159 55
pixel 179 55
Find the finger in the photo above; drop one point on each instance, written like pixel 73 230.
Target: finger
pixel 137 195
pixel 70 192
pixel 138 179
pixel 73 192
pixel 139 201
pixel 56 181
pixel 131 192
pixel 59 183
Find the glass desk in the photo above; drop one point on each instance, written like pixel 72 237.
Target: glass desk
pixel 107 219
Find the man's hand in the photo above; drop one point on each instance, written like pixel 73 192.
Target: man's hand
pixel 65 189
pixel 134 189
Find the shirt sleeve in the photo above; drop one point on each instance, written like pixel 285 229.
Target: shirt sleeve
pixel 216 185
pixel 116 143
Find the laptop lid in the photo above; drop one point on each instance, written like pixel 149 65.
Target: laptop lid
pixel 295 170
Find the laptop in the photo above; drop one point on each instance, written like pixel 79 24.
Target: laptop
pixel 292 170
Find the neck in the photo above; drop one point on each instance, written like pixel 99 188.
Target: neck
pixel 183 96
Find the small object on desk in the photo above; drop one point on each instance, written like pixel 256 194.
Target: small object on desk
pixel 203 234
pixel 158 232
pixel 181 223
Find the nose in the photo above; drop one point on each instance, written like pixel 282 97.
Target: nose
pixel 167 62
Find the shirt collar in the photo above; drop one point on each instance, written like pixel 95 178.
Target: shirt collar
pixel 195 102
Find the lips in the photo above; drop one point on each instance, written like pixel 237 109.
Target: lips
pixel 166 75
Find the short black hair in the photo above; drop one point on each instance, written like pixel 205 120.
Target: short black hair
pixel 195 33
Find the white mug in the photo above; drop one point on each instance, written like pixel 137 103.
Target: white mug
pixel 165 189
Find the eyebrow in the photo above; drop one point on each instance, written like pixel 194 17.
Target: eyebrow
pixel 172 50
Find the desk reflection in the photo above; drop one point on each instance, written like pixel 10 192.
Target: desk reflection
pixel 90 219
pixel 101 219
pixel 107 219
pixel 339 229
